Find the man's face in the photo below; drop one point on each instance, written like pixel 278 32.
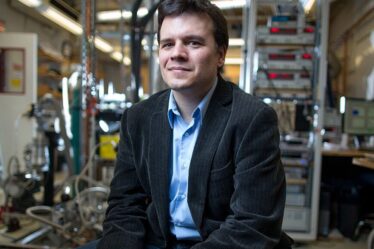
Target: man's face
pixel 188 54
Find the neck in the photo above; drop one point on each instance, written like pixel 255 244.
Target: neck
pixel 186 104
pixel 187 101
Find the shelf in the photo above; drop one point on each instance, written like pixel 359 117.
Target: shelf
pixel 285 70
pixel 294 181
pixel 50 76
pixel 50 64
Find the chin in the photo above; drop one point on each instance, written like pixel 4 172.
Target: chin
pixel 179 88
pixel 177 84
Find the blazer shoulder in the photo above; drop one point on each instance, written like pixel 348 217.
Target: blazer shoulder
pixel 244 99
pixel 154 103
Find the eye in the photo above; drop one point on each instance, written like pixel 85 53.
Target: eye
pixel 194 43
pixel 166 45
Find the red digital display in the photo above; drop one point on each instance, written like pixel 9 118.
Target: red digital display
pixel 281 31
pixel 280 76
pixel 281 56
pixel 307 56
pixel 309 30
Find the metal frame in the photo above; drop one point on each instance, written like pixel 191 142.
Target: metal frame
pixel 246 77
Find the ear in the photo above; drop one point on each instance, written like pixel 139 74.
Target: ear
pixel 221 56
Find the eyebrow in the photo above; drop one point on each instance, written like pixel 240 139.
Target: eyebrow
pixel 165 40
pixel 187 37
pixel 194 37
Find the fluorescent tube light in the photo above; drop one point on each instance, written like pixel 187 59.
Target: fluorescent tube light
pixel 61 19
pixel 103 45
pixel 112 15
pixel 115 15
pixel 116 55
pixel 142 12
pixel 31 3
pixel 65 22
pixel 127 61
pixel 230 4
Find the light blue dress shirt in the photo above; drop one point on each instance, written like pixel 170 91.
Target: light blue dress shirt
pixel 184 139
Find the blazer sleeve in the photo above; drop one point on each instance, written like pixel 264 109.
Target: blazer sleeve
pixel 257 203
pixel 124 225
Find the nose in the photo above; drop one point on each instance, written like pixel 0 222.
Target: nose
pixel 179 52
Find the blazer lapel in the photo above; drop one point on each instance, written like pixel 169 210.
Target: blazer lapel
pixel 159 161
pixel 213 124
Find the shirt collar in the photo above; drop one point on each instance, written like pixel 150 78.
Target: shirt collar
pixel 200 109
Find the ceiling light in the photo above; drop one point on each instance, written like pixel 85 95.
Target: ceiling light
pixel 111 15
pixel 127 61
pixel 31 3
pixel 103 45
pixel 115 15
pixel 116 55
pixel 230 4
pixel 65 22
pixel 61 19
pixel 142 12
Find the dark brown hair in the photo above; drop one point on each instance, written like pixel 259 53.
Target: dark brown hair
pixel 178 7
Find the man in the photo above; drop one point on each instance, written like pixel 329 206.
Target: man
pixel 198 166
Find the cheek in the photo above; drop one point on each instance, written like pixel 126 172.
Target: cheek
pixel 209 62
pixel 204 58
pixel 162 58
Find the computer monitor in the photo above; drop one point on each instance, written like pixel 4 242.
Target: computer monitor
pixel 358 117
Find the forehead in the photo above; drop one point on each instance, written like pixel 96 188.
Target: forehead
pixel 186 24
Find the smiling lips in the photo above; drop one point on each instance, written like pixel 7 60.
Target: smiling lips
pixel 178 68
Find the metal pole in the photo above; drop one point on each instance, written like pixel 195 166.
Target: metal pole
pixel 324 11
pixel 122 68
pixel 249 35
pixel 152 60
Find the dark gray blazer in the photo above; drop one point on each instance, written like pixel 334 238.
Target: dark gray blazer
pixel 236 190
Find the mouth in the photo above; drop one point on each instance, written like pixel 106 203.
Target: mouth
pixel 178 69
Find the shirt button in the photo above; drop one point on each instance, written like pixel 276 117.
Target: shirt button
pixel 186 134
pixel 182 197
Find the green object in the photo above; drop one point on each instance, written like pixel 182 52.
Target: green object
pixel 75 128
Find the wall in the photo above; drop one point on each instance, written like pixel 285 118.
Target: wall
pixel 351 26
pixel 16 131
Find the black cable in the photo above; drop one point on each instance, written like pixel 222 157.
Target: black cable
pixel 271 83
